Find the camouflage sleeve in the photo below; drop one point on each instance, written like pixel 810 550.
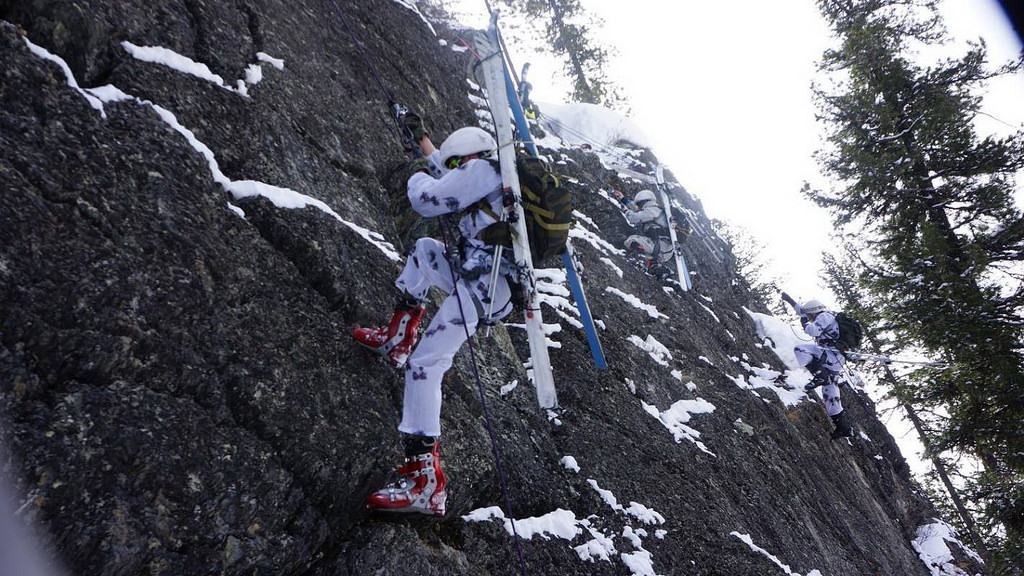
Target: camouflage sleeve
pixel 649 213
pixel 453 192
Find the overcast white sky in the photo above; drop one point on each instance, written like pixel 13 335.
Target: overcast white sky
pixel 723 91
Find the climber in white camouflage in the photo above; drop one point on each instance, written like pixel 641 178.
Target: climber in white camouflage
pixel 653 246
pixel 464 178
pixel 822 359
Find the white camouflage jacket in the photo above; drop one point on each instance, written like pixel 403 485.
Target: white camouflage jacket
pixel 455 191
pixel 649 218
pixel 824 329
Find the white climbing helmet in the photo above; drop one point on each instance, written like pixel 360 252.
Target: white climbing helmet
pixel 467 141
pixel 812 307
pixel 644 196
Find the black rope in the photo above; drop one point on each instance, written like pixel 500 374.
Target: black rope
pixel 610 150
pixel 393 106
pixel 495 446
pixel 506 55
pixel 362 52
pixel 449 237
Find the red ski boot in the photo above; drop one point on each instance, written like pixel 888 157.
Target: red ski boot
pixel 420 485
pixel 396 340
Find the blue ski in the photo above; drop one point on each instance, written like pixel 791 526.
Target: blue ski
pixel 575 285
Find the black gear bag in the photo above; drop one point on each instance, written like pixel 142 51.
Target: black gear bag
pixel 851 333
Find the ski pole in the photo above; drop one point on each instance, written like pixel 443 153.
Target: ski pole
pixel 495 271
pixel 861 357
pixel 508 203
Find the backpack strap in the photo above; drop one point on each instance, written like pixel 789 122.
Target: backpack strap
pixel 500 233
pixel 541 217
pixel 484 206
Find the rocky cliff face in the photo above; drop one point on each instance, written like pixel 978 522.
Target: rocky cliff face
pixel 184 250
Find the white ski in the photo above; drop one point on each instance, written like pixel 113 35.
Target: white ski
pixel 684 274
pixel 491 68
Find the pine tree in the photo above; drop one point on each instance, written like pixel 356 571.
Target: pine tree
pixel 933 201
pixel 751 263
pixel 567 30
pixel 841 277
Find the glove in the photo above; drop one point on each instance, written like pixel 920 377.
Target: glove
pixel 804 321
pixel 623 200
pixel 415 125
pixel 421 164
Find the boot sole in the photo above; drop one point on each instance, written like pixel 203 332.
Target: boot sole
pixel 408 510
pixel 384 355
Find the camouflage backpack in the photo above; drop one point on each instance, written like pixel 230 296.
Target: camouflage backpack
pixel 851 333
pixel 547 205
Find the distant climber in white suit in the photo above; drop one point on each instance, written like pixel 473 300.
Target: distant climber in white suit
pixel 822 359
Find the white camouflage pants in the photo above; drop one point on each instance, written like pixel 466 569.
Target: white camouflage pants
pixel 448 329
pixel 662 250
pixel 832 361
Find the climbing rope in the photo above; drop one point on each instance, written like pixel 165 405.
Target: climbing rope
pixel 799 336
pixel 393 105
pixel 611 151
pixel 448 238
pixel 606 148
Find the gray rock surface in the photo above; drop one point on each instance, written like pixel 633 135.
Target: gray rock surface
pixel 179 393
